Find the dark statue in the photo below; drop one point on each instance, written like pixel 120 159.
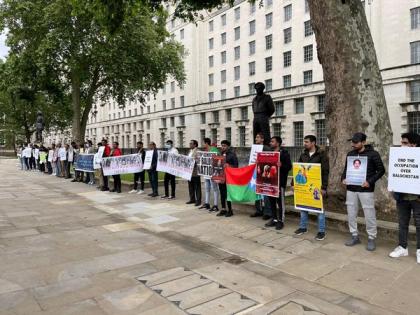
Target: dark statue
pixel 263 108
pixel 39 126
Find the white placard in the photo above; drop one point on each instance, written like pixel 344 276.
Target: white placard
pixel 101 151
pixel 124 164
pixel 404 170
pixel 356 170
pixel 97 161
pixel 50 155
pixel 62 154
pixel 148 160
pixel 27 152
pixel 36 154
pixel 256 148
pixel 175 164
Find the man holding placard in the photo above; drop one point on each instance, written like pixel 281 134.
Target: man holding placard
pixel 106 151
pixel 363 168
pixel 403 180
pixel 209 184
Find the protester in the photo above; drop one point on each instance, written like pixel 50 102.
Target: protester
pixel 90 176
pixel 32 162
pixel 72 156
pixel 313 154
pixel 51 163
pixel 231 161
pixel 153 174
pixel 194 185
pixel 27 153
pixel 107 152
pixel 363 193
pixel 140 175
pixel 169 178
pixel 278 204
pixel 99 173
pixel 35 158
pixel 115 151
pixel 56 160
pixel 210 184
pixel 407 204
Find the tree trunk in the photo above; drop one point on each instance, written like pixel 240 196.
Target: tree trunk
pixel 76 106
pixel 355 99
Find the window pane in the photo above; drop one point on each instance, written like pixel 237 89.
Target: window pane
pixel 308 28
pixel 228 134
pixel 299 106
pixel 321 103
pixel 415 18
pixel 268 64
pixel 251 68
pixel 237 13
pixel 252 47
pixel 237 72
pixel 211 26
pixel 223 38
pixel 216 116
pixel 223 57
pixel 307 77
pixel 287 81
pixel 223 94
pixel 268 20
pixel 279 108
pixel 252 27
pixel 228 114
pixel 237 33
pixel 415 91
pixel 203 118
pixel 415 52
pixel 223 76
pixel 287 35
pixel 211 43
pixel 237 91
pixel 211 61
pixel 287 59
pixel 298 133
pixel 251 88
pixel 288 13
pixel 269 84
pixel 277 130
pixel 414 122
pixel 244 113
pixel 307 53
pixel 242 136
pixel 211 96
pixel 237 51
pixel 269 41
pixel 321 134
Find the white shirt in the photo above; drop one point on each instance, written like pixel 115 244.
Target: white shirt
pixel 173 151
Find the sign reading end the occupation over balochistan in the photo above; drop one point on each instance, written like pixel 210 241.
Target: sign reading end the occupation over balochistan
pixel 307 187
pixel 404 170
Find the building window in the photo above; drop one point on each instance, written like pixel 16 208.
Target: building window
pixel 237 33
pixel 287 35
pixel 268 3
pixel 148 124
pixel 321 103
pixel 148 138
pixel 237 72
pixel 415 18
pixel 252 8
pixel 321 134
pixel 268 85
pixel 414 122
pixel 237 50
pixel 164 105
pixel 244 113
pixel 415 52
pixel 173 103
pixel 214 135
pixel 306 6
pixel 298 133
pixel 308 53
pixel 223 38
pixel 269 41
pixel 279 108
pixel 211 26
pixel 202 118
pixel 268 20
pixel 228 113
pixel 180 139
pixel 277 130
pixel 252 47
pixel 211 79
pixel 223 94
pixel 182 101
pixel 181 34
pixel 299 106
pixel 163 122
pixel 251 68
pixel 287 12
pixel 173 23
pixel 223 76
pixel 308 28
pixel 211 43
pixel 202 135
pixel 237 13
pixel 237 91
pixel 223 19
pixel 172 121
pixel 252 27
pixel 307 77
pixel 228 134
pixel 173 86
pixel 268 64
pixel 415 91
pixel 251 87
pixel 182 120
pixel 211 61
pixel 223 57
pixel 287 59
pixel 215 116
pixel 242 136
pixel 211 96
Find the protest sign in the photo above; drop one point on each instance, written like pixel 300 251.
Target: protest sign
pixel 218 166
pixel 124 164
pixel 101 151
pixel 204 163
pixel 27 152
pixel 356 170
pixel 404 171
pixel 307 187
pixel 84 163
pixel 256 148
pixel 50 155
pixel 175 164
pixel 42 157
pixel 62 154
pixel 268 173
pixel 97 159
pixel 148 160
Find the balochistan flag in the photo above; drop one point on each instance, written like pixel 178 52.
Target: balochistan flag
pixel 241 183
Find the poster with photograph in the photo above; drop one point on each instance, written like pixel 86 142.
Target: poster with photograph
pixel 124 164
pixel 404 170
pixel 307 187
pixel 148 160
pixel 268 174
pixel 218 165
pixel 204 162
pixel 356 170
pixel 84 163
pixel 175 164
pixel 256 148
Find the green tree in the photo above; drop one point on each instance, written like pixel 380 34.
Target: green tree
pixel 69 42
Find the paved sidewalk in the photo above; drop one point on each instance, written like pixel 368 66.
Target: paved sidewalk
pixel 67 248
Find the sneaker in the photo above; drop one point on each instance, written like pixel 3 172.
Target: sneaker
pixel 205 206
pixel 140 192
pixel 150 195
pixel 132 191
pixel 229 214
pixel 371 246
pixel 221 213
pixel 164 197
pixel 266 217
pixel 300 231
pixel 320 236
pixel 279 225
pixel 214 209
pixel 399 252
pixel 171 198
pixel 154 195
pixel 256 214
pixel 353 241
pixel 271 223
pixel 418 256
pixel 190 202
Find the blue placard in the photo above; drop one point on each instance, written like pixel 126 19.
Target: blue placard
pixel 84 163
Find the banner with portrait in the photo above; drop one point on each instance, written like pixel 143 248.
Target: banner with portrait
pixel 356 170
pixel 124 164
pixel 218 166
pixel 175 164
pixel 307 187
pixel 404 170
pixel 84 163
pixel 204 161
pixel 268 174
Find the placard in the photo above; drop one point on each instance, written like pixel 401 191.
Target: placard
pixel 268 174
pixel 218 165
pixel 62 154
pixel 101 151
pixel 204 160
pixel 124 164
pixel 256 148
pixel 404 170
pixel 42 157
pixel 356 170
pixel 148 160
pixel 97 160
pixel 50 155
pixel 307 187
pixel 175 164
pixel 36 154
pixel 84 163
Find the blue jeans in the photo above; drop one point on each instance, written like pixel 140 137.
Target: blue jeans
pixel 304 221
pixel 209 184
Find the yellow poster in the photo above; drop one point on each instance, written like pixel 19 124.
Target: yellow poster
pixel 307 185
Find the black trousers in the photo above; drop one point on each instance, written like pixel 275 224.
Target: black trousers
pixel 105 178
pixel 169 179
pixel 49 167
pixel 223 197
pixel 68 166
pixel 194 187
pixel 153 179
pixel 262 124
pixel 139 177
pixel 27 160
pixel 277 206
pixel 32 163
pixel 117 182
pixel 405 207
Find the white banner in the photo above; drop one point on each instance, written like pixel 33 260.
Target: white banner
pixel 256 148
pixel 204 160
pixel 175 164
pixel 148 160
pixel 124 164
pixel 404 171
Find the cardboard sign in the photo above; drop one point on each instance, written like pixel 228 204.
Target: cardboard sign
pixel 404 170
pixel 175 164
pixel 268 174
pixel 256 148
pixel 307 187
pixel 84 163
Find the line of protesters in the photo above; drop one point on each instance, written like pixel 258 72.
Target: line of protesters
pixel 269 208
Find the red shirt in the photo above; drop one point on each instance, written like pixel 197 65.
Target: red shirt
pixel 107 151
pixel 116 152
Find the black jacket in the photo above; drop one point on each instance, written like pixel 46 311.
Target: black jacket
pixel 375 169
pixel 319 157
pixel 286 166
pixel 154 161
pixel 263 105
pixel 231 158
pixel 142 153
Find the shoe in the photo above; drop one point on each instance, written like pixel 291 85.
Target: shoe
pixel 214 209
pixel 399 252
pixel 190 202
pixel 229 214
pixel 74 180
pixel 104 189
pixel 418 256
pixel 266 217
pixel 256 214
pixel 271 223
pixel 320 236
pixel 205 206
pixel 112 190
pixel 164 197
pixel 151 194
pixel 221 213
pixel 197 204
pixel 118 191
pixel 279 225
pixel 300 231
pixel 171 197
pixel 353 241
pixel 140 192
pixel 371 246
pixel 132 191
pixel 154 195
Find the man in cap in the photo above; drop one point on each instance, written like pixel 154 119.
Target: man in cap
pixel 364 193
pixel 263 108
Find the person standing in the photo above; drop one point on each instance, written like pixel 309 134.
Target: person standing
pixel 363 193
pixel 263 108
pixel 209 184
pixel 194 185
pixel 153 174
pixel 107 152
pixel 90 176
pixel 407 204
pixel 98 172
pixel 278 205
pixel 64 161
pixel 231 161
pixel 115 151
pixel 51 163
pixel 72 156
pixel 140 175
pixel 313 154
pixel 169 178
pixel 56 159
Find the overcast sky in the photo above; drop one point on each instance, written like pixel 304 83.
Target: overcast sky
pixel 3 47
